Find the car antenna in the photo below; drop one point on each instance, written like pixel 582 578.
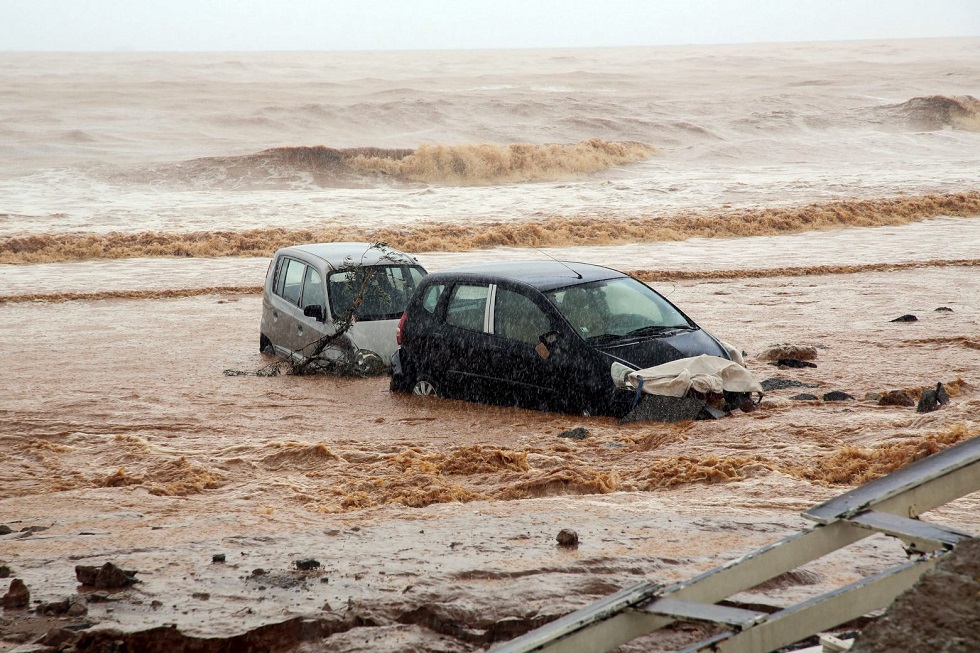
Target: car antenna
pixel 562 263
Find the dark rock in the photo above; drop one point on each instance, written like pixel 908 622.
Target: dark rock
pixel 59 638
pixel 837 395
pixel 306 564
pixel 259 572
pixel 78 606
pixel 33 529
pixel 218 557
pixel 107 576
pixel 932 399
pixel 202 596
pixel 5 530
pixel 896 398
pixel 944 309
pixel 17 597
pixel 805 396
pixel 781 384
pixel 567 537
pixel 908 317
pixel 793 362
pixel 54 607
pixel 4 571
pixel 577 433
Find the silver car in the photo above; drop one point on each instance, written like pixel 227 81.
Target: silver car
pixel 312 291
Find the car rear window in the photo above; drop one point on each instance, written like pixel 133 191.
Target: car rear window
pixel 468 307
pixel 289 280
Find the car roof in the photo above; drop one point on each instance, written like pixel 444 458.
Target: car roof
pixel 543 275
pixel 339 254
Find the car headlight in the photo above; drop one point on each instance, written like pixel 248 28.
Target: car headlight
pixel 619 373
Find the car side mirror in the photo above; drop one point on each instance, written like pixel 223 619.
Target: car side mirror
pixel 547 341
pixel 315 311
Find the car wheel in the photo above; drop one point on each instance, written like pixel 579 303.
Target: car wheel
pixel 425 387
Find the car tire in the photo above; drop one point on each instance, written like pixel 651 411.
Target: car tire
pixel 424 386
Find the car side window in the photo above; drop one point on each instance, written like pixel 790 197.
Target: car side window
pixel 431 298
pixel 289 283
pixel 468 307
pixel 517 317
pixel 312 288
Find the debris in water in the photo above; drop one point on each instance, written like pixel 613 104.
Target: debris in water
pixel 837 395
pixel 218 557
pixel 944 309
pixel 908 317
pixel 577 433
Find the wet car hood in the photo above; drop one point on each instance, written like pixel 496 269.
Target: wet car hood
pixel 657 350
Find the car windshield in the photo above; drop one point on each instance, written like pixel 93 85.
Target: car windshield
pixel 617 308
pixel 386 291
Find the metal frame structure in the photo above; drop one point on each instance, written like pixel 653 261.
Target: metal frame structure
pixel 889 505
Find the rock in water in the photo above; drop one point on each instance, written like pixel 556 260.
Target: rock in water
pixel 567 537
pixel 932 399
pixel 896 398
pixel 798 352
pixel 107 576
pixel 793 362
pixel 908 317
pixel 17 597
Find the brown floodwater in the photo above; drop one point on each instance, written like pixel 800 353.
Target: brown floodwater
pixel 123 436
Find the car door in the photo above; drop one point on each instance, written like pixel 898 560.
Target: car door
pixel 463 342
pixel 295 286
pixel 522 363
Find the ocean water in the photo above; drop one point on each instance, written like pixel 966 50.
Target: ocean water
pixel 99 143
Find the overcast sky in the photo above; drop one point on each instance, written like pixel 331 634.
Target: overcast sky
pixel 235 25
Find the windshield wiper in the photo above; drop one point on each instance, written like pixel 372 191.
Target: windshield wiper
pixel 656 329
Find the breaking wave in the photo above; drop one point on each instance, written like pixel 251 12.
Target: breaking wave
pixel 938 111
pixel 466 165
pixel 464 236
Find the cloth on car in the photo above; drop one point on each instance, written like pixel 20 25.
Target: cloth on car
pixel 705 374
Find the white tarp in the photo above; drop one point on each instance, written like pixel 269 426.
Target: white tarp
pixel 704 374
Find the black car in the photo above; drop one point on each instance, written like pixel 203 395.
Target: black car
pixel 539 334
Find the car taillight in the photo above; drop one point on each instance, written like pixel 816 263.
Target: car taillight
pixel 398 331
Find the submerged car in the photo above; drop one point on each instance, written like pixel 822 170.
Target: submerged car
pixel 314 291
pixel 540 334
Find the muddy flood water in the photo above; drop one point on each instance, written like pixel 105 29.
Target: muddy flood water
pixel 803 194
pixel 434 521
